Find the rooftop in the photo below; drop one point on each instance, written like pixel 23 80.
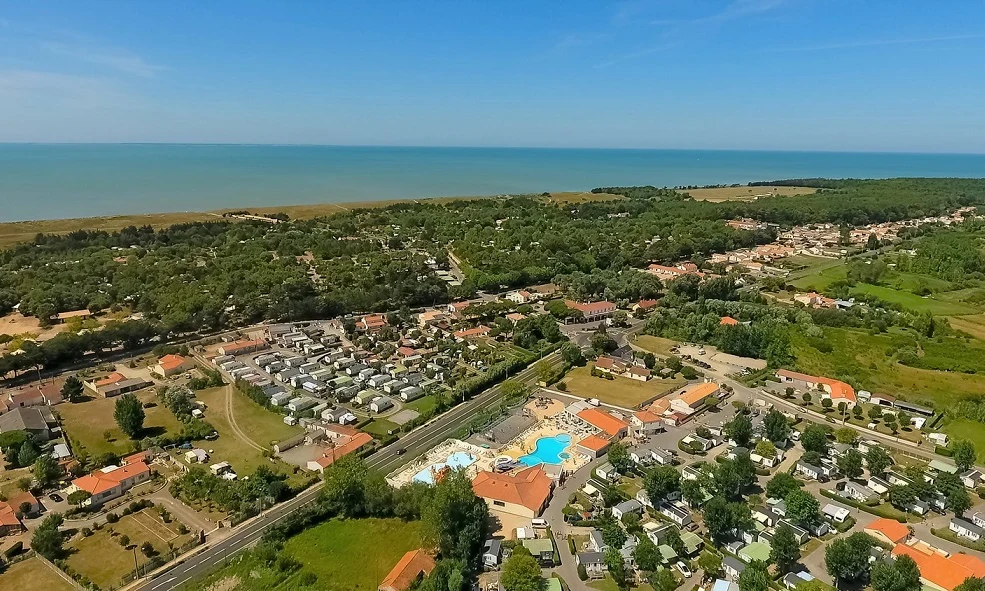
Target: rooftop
pixel 530 487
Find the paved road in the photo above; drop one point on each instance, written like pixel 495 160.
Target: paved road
pixel 386 460
pixel 426 437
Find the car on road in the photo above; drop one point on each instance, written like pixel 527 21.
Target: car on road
pixel 401 451
pixel 56 497
pixel 684 570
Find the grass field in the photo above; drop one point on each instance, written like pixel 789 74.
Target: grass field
pixel 423 404
pixel 86 422
pixel 380 427
pixel 261 425
pixel 744 193
pixel 9 478
pixel 973 325
pixel 867 360
pixel 971 430
pixel 619 391
pixel 655 345
pixel 102 559
pixel 33 575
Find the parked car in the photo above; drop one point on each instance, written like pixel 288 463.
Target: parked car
pixel 56 497
pixel 212 436
pixel 684 570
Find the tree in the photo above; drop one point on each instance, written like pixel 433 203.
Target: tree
pixel 718 519
pixel 711 564
pixel 789 392
pixel 78 497
pixel 455 520
pixel 781 485
pixel 964 454
pixel 901 574
pixel 129 415
pixel 571 354
pixel 647 556
pixel 649 360
pixel 766 449
pixel 739 430
pixel 878 460
pixel 612 534
pixel 616 566
pixel 619 458
pixel 47 539
pixel 815 438
pixel 784 549
pixel 664 580
pixel 776 426
pixel 850 463
pixel 756 577
pixel 875 412
pixel 827 403
pixel 661 481
pixel 957 501
pixel 903 496
pixel 522 573
pixel 28 453
pixel 803 508
pixel 945 482
pixel 848 558
pixel 904 419
pixel 872 243
pixel 692 493
pixel 971 584
pixel 72 389
pixel 674 541
pixel 46 470
pixel 846 435
pixel 806 398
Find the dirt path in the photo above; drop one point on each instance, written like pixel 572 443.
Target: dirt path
pixel 235 426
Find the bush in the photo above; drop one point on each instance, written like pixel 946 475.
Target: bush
pixel 112 518
pixel 943 451
pixel 571 545
pixel 126 511
pixel 308 578
pixel 147 549
pixel 124 540
pixel 582 573
pixel 86 532
pixel 15 549
pixel 182 529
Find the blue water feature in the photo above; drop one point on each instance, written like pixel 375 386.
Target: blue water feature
pixel 456 461
pixel 549 450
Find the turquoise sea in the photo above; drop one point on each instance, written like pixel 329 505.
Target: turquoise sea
pixel 41 181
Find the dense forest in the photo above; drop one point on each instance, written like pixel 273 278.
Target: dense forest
pixel 215 274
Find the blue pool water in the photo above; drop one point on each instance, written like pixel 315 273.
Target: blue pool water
pixel 549 450
pixel 457 460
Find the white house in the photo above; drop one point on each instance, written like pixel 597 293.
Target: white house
pixel 966 529
pixel 972 478
pixel 676 513
pixel 630 506
pixel 859 492
pixel 607 472
pixel 835 513
pixel 380 404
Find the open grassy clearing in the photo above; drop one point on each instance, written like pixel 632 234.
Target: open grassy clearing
pixel 970 430
pixel 380 427
pixel 87 422
pixel 867 361
pixel 973 325
pixel 33 575
pixel 744 193
pixel 9 478
pixel 423 404
pixel 619 391
pixel 261 425
pixel 655 345
pixel 102 559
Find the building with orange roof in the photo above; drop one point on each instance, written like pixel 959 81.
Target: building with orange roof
pixel 525 493
pixel 111 482
pixel 938 570
pixel 591 311
pixel 644 305
pixel 243 347
pixel 646 421
pixel 170 365
pixel 411 568
pixel 593 446
pixel 836 390
pixel 692 397
pixel 728 321
pixel 343 445
pixel 371 322
pixel 665 272
pixel 473 333
pixel 603 421
pixel 889 531
pixel 10 522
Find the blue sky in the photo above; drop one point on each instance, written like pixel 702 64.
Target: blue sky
pixel 896 75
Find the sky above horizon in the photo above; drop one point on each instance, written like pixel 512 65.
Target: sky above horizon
pixel 842 75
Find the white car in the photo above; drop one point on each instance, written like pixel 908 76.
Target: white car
pixel 684 570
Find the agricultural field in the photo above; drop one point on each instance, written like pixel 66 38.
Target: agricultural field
pixel 89 422
pixel 744 193
pixel 973 325
pixel 103 560
pixel 34 575
pixel 619 391
pixel 869 361
pixel 348 554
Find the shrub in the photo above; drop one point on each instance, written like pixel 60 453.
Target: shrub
pixel 182 529
pixel 86 532
pixel 124 540
pixel 582 573
pixel 112 518
pixel 571 545
pixel 126 511
pixel 15 549
pixel 308 578
pixel 147 549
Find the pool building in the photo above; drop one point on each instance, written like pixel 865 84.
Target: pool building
pixel 524 494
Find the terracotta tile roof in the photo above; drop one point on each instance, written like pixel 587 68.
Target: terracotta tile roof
pixel 892 529
pixel 111 379
pixel 603 421
pixel 530 487
pixel 728 321
pixel 412 565
pixel 591 308
pixel 8 516
pixel 839 389
pixel 697 392
pixel 646 304
pixel 99 481
pixel 639 371
pixel 659 406
pixel 355 442
pixel 646 416
pixel 169 362
pixel 594 443
pixel 479 331
pixel 946 573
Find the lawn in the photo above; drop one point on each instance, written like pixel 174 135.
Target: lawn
pixel 619 391
pixel 970 430
pixel 262 426
pixel 974 325
pixel 87 422
pixel 355 553
pixel 607 584
pixel 33 575
pixel 380 427
pixel 868 361
pixel 745 193
pixel 9 478
pixel 655 345
pixel 102 559
pixel 424 404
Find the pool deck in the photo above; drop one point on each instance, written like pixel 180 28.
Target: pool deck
pixel 549 426
pixel 440 455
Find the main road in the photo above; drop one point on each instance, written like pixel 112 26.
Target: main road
pixel 386 460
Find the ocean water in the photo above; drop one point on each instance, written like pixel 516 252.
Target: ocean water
pixel 43 181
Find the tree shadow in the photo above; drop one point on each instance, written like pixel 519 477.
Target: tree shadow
pixel 155 431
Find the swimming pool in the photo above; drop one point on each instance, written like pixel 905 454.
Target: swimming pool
pixel 457 460
pixel 549 450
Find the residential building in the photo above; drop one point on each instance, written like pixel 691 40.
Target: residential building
pixel 492 551
pixel 411 568
pixel 170 365
pixel 733 567
pixel 525 494
pixel 36 420
pixel 116 384
pixel 480 331
pixel 693 397
pixel 809 470
pixel 607 471
pixel 859 492
pixel 939 570
pixel 836 390
pixel 593 446
pixel 242 347
pixel 111 482
pixel 835 513
pixel 342 440
pixel 594 563
pixel 677 513
pixel 966 529
pixel 630 506
pixel 889 531
pixel 645 422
